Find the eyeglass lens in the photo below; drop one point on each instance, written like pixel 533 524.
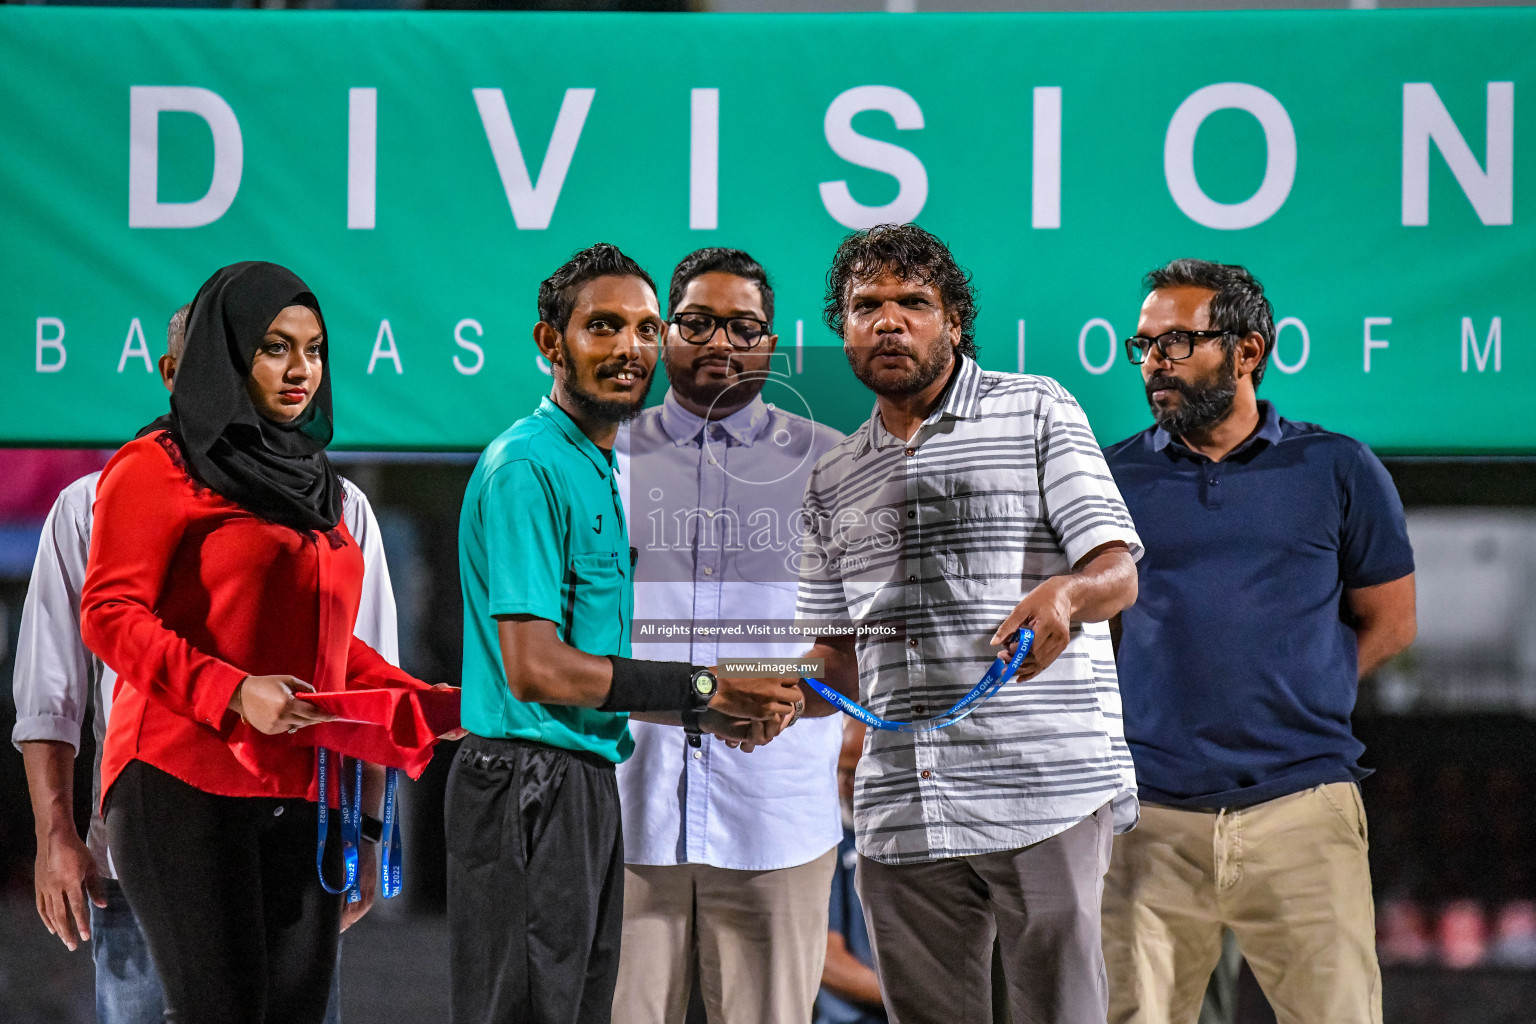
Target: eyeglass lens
pixel 700 328
pixel 1175 345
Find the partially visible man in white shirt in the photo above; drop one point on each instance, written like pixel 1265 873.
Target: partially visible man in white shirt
pixel 56 676
pixel 726 852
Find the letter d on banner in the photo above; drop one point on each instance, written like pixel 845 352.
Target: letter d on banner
pixel 146 103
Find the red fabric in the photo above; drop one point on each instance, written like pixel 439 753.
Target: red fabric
pixel 394 728
pixel 185 595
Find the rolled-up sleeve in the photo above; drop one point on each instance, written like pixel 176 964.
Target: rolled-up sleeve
pixel 54 671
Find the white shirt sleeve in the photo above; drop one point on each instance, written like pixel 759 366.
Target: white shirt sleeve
pixel 54 670
pixel 376 625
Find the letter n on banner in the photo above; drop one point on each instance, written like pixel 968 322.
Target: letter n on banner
pixel 1491 192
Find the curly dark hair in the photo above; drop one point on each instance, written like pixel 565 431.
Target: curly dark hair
pixel 1239 305
pixel 723 261
pixel 557 292
pixel 912 254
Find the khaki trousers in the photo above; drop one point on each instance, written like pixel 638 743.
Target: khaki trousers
pixel 1289 878
pixel 761 938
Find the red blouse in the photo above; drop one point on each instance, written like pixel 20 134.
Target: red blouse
pixel 186 594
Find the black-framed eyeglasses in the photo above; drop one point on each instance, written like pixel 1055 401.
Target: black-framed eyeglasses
pixel 700 329
pixel 1174 345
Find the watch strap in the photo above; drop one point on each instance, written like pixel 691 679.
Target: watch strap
pixel 692 726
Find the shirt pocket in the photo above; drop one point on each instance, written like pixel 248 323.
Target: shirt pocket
pixel 594 602
pixel 979 538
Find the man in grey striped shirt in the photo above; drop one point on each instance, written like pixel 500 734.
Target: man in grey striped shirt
pixel 971 503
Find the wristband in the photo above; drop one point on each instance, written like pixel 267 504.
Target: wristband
pixel 373 829
pixel 649 686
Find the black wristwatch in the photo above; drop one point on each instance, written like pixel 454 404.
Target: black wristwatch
pixel 704 686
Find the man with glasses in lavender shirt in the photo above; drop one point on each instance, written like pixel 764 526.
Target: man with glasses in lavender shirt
pixel 726 853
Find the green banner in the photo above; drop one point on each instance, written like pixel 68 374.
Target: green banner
pixel 425 171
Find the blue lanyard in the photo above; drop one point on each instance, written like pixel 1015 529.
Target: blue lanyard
pixel 351 825
pixel 1000 672
pixel 391 860
pixel 352 830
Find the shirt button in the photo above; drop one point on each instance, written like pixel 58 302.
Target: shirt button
pixel 277 811
pixel 911 452
pixel 708 571
pixel 912 642
pixel 697 754
pixel 712 461
pixel 919 709
pixel 926 773
pixel 709 514
pixel 912 578
pixel 912 514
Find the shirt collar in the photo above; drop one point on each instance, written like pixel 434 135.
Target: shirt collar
pixel 1268 430
pixel 961 401
pixel 567 426
pixel 745 425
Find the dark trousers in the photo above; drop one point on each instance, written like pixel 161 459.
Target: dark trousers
pixel 535 884
pixel 226 892
pixel 932 927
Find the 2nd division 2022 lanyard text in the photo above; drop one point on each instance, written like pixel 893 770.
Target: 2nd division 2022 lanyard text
pixel 352 829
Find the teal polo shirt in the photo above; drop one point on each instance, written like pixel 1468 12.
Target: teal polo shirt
pixel 542 533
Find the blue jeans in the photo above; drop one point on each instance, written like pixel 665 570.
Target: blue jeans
pixel 127 988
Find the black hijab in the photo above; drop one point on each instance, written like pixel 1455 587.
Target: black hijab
pixel 277 471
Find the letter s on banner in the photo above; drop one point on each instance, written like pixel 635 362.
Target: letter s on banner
pixel 145 105
pixel 468 346
pixel 1279 161
pixel 901 164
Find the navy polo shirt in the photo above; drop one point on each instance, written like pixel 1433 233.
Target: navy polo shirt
pixel 1237 667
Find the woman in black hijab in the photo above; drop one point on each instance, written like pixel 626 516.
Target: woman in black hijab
pixel 222 584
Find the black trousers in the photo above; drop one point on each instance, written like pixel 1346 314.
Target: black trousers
pixel 535 884
pixel 226 891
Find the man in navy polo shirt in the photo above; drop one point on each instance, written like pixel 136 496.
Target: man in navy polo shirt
pixel 1277 573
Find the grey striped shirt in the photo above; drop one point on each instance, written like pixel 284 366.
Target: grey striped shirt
pixel 922 548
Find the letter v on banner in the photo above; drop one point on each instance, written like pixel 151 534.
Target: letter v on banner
pixel 533 204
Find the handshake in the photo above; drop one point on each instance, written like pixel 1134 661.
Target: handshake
pixel 749 711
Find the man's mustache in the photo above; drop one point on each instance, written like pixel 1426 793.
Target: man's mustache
pixel 1161 383
pixel 891 348
pixel 731 363
pixel 623 366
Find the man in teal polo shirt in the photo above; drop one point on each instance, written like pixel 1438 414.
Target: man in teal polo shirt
pixel 535 854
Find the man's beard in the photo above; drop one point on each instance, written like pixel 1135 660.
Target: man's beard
pixel 918 378
pixel 731 393
pixel 595 408
pixel 1204 404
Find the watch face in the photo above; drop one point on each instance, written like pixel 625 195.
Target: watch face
pixel 704 684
